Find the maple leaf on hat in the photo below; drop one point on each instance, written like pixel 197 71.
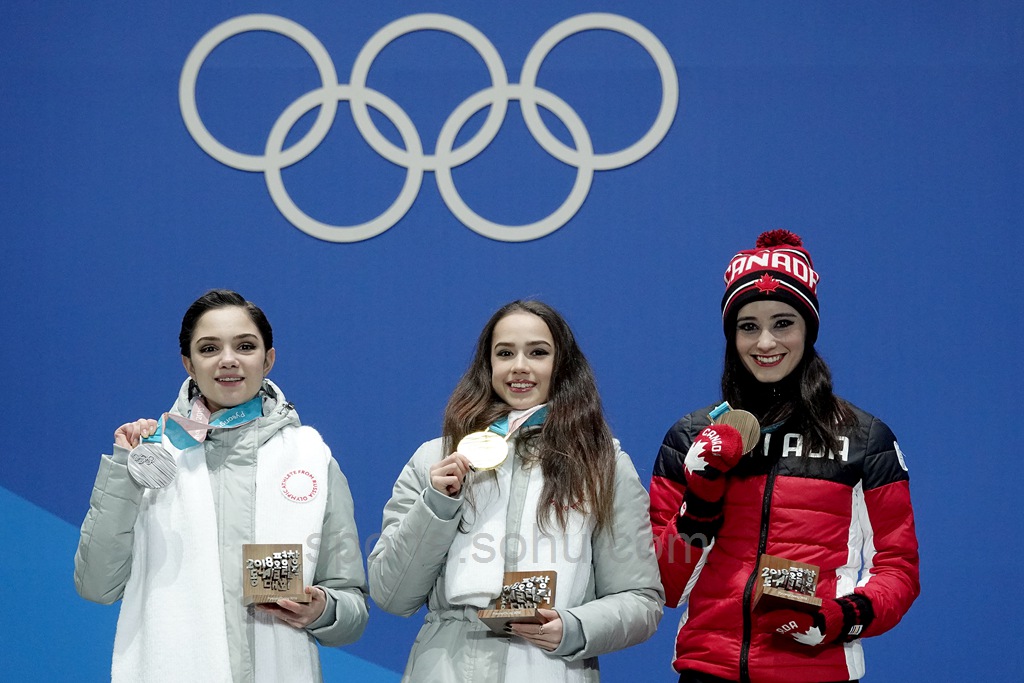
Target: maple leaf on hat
pixel 767 284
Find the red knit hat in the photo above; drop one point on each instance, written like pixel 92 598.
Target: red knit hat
pixel 778 268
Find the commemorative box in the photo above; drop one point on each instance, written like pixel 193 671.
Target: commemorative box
pixel 523 594
pixel 785 584
pixel 272 572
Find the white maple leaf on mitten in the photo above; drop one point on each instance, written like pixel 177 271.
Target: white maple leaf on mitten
pixel 813 636
pixel 694 462
pixel 823 626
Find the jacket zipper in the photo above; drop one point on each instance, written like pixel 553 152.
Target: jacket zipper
pixel 748 591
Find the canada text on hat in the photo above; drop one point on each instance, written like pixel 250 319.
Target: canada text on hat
pixel 793 262
pixel 777 268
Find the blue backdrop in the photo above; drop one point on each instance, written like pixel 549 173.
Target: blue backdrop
pixel 887 134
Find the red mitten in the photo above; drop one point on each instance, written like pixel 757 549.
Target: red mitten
pixel 715 451
pixel 842 619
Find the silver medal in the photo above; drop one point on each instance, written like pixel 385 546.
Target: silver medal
pixel 151 466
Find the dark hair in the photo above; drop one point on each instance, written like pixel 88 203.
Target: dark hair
pixel 574 445
pixel 805 398
pixel 221 298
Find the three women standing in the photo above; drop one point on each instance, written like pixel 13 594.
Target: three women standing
pixel 826 485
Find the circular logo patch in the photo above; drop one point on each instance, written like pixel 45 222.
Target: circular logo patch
pixel 299 486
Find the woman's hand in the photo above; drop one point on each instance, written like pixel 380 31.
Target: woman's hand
pixel 298 614
pixel 546 636
pixel 130 434
pixel 448 475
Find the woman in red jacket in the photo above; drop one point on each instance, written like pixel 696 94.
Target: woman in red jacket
pixel 826 485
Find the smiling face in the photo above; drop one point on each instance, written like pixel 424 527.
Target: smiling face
pixel 228 358
pixel 770 339
pixel 522 360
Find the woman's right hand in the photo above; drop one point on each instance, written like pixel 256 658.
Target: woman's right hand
pixel 130 434
pixel 448 475
pixel 715 451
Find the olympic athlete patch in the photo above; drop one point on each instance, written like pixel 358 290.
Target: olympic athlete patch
pixel 300 486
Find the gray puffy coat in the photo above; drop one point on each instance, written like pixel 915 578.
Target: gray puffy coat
pixel 623 600
pixel 103 561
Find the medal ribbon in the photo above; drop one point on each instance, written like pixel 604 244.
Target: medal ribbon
pixel 534 416
pixel 725 407
pixel 183 432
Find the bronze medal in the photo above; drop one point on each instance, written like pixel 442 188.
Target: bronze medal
pixel 745 423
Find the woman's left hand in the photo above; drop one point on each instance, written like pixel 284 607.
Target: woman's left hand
pixel 546 636
pixel 298 614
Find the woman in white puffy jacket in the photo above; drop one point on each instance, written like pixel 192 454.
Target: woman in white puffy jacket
pixel 173 555
pixel 565 499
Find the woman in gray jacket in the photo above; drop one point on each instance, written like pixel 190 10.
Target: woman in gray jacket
pixel 173 555
pixel 563 498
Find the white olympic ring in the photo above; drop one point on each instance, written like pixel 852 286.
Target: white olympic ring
pixel 446 156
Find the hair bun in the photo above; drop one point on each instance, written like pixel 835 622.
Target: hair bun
pixel 778 238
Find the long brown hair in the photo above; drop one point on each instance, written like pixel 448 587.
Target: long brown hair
pixel 574 445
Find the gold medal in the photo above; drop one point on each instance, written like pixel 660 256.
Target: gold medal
pixel 484 450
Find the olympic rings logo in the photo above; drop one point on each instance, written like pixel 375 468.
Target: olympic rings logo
pixel 446 155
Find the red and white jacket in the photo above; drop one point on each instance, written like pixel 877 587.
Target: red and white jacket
pixel 848 513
